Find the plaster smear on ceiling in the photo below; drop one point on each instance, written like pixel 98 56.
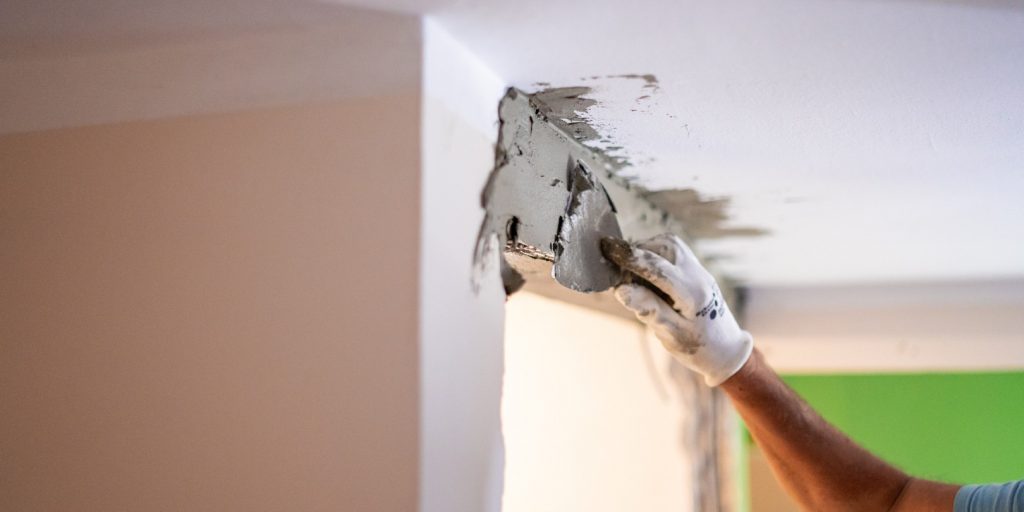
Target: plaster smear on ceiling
pixel 571 109
pixel 551 199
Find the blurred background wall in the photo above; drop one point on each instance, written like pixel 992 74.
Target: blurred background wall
pixel 596 417
pixel 209 265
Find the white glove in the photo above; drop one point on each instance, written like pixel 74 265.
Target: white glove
pixel 696 325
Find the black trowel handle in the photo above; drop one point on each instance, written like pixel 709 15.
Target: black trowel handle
pixel 620 252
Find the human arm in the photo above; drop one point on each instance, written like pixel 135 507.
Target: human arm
pixel 819 467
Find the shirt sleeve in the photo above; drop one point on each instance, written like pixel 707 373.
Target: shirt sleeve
pixel 1008 497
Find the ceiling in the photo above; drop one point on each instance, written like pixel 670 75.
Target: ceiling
pixel 873 140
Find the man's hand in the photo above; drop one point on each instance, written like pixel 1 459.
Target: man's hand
pixel 820 467
pixel 688 313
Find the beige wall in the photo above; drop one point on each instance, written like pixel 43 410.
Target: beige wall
pixel 594 415
pixel 212 313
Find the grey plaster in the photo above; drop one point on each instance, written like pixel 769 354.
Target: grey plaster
pixel 550 198
pixel 563 105
pixel 589 217
pixel 566 108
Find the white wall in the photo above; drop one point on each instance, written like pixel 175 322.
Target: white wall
pixel 461 362
pixel 594 417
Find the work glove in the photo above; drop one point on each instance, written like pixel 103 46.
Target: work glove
pixel 682 303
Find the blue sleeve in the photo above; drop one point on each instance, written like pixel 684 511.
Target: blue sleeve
pixel 1008 497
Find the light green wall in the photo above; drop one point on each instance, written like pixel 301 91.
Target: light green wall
pixel 962 428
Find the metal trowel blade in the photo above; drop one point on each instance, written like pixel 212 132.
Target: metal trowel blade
pixel 589 216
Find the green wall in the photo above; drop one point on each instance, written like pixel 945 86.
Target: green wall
pixel 962 427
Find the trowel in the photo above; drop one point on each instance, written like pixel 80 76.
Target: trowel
pixel 589 217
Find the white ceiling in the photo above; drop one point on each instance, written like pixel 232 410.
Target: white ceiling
pixel 875 140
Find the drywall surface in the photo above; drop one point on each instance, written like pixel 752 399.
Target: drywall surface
pixel 951 326
pixel 953 427
pixel 461 330
pixel 594 416
pixel 62 66
pixel 198 313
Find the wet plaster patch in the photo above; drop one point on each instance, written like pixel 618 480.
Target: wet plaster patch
pixel 566 108
pixel 570 108
pixel 563 105
pixel 550 198
pixel 554 193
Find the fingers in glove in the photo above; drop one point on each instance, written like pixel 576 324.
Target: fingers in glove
pixel 644 303
pixel 654 269
pixel 675 332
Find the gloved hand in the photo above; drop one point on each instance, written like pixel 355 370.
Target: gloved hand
pixel 690 317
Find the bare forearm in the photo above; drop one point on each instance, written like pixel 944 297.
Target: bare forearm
pixel 817 464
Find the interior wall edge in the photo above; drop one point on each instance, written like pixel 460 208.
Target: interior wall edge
pixel 461 331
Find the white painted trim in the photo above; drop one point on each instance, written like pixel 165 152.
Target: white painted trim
pixel 964 326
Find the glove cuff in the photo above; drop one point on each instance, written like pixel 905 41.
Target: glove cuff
pixel 732 364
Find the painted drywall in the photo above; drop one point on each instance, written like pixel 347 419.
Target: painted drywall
pixel 955 427
pixel 594 419
pixel 198 314
pixel 461 330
